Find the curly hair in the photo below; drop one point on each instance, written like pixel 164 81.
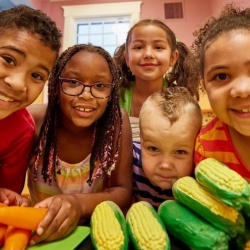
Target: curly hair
pixel 231 18
pixel 105 146
pixel 179 74
pixel 33 21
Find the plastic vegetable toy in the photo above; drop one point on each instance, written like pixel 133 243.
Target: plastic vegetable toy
pixel 16 238
pixel 22 217
pixel 3 228
pixel 108 227
pixel 16 225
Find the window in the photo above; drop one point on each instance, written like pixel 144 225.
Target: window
pixel 105 25
pixel 108 33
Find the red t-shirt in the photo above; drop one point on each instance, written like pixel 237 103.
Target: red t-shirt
pixel 17 133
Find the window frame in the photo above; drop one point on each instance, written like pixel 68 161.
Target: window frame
pixel 72 13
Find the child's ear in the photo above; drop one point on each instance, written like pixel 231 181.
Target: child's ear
pixel 125 54
pixel 174 58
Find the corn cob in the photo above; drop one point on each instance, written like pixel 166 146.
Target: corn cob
pixel 223 182
pixel 145 228
pixel 108 227
pixel 246 208
pixel 242 241
pixel 189 192
pixel 190 228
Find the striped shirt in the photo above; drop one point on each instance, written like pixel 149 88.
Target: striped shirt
pixel 143 189
pixel 214 141
pixel 71 179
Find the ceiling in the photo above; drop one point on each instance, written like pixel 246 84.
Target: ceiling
pixel 6 4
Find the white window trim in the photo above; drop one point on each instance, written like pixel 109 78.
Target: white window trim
pixel 74 12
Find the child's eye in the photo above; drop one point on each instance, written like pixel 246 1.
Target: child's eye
pixel 153 149
pixel 159 47
pixel 221 77
pixel 138 47
pixel 73 82
pixel 99 85
pixel 38 76
pixel 180 152
pixel 9 60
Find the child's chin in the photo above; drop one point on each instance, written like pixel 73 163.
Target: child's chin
pixel 165 186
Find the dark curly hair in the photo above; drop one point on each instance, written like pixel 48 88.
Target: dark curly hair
pixel 105 146
pixel 180 72
pixel 33 21
pixel 231 18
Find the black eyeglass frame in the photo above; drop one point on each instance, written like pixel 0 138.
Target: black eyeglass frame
pixel 61 79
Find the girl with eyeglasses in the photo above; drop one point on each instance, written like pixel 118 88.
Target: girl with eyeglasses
pixel 83 154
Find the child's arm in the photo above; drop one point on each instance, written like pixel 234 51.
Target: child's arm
pixel 12 198
pixel 65 211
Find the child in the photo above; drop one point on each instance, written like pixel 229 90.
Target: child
pixel 84 150
pixel 29 46
pixel 150 51
pixel 222 48
pixel 12 198
pixel 169 121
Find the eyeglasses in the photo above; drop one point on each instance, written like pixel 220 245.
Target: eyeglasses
pixel 75 87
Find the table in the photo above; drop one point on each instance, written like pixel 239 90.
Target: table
pixel 175 245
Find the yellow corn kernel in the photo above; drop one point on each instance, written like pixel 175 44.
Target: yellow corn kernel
pixel 145 228
pixel 106 228
pixel 225 177
pixel 191 187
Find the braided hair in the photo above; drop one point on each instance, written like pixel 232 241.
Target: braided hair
pixel 105 145
pixel 179 75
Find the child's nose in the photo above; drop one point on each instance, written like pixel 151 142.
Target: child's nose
pixel 241 87
pixel 148 52
pixel 16 81
pixel 166 163
pixel 86 93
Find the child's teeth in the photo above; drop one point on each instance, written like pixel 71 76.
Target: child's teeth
pixel 6 99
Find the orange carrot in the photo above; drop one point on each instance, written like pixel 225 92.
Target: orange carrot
pixel 22 217
pixel 3 228
pixel 16 238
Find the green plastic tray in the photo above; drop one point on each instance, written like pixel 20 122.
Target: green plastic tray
pixel 69 243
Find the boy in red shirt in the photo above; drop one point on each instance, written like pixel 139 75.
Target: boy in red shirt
pixel 29 46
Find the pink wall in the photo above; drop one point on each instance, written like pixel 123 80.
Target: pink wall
pixel 195 12
pixel 217 6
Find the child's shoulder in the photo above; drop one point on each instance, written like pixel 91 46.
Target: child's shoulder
pixel 213 131
pixel 37 111
pixel 215 123
pixel 21 116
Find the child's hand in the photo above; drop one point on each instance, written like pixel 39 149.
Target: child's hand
pixel 12 198
pixel 62 217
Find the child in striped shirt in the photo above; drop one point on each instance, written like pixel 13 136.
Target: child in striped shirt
pixel 169 121
pixel 225 75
